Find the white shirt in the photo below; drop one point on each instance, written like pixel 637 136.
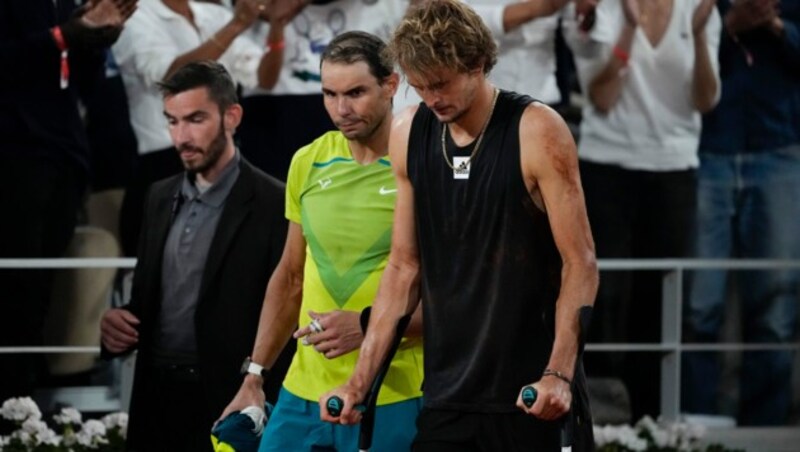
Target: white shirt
pixel 654 125
pixel 526 56
pixel 310 32
pixel 153 37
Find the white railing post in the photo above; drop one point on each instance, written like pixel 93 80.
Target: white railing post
pixel 671 307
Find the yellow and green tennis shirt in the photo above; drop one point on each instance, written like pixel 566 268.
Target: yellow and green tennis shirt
pixel 346 211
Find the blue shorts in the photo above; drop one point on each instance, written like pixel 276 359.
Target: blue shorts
pixel 295 426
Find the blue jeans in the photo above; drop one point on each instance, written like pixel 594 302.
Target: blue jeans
pixel 748 206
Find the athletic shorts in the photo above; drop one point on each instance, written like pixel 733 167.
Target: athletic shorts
pixel 295 426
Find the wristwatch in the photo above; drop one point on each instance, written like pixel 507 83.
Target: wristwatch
pixel 249 367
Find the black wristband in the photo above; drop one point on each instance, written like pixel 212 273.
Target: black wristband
pixel 364 320
pixel 557 374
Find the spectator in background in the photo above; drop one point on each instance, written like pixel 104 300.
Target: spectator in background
pixel 112 150
pixel 108 128
pixel 288 114
pixel 525 32
pixel 211 238
pixel 53 53
pixel 160 38
pixel 748 192
pixel 649 69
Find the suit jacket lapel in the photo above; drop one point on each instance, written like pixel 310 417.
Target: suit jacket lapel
pixel 160 222
pixel 237 208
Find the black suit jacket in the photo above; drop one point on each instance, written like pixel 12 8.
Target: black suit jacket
pixel 245 249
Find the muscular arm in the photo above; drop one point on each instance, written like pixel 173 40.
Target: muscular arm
pixel 279 315
pixel 281 307
pixel 550 170
pixel 398 293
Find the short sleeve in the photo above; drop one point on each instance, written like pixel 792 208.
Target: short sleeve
pixel 295 184
pixel 145 49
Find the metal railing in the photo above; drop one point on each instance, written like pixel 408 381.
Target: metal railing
pixel 112 397
pixel 62 263
pixel 671 344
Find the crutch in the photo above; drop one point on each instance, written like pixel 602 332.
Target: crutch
pixel 335 404
pixel 529 393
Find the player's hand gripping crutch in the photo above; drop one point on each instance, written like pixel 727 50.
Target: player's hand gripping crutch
pixel 335 404
pixel 529 394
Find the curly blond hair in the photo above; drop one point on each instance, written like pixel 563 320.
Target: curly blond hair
pixel 442 34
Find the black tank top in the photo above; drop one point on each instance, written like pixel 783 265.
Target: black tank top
pixel 490 270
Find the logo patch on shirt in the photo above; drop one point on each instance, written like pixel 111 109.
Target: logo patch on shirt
pixel 324 183
pixel 461 167
pixel 387 191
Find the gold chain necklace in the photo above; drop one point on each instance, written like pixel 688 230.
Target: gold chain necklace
pixel 477 142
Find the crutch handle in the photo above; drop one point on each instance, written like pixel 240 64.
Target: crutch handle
pixel 529 395
pixel 335 404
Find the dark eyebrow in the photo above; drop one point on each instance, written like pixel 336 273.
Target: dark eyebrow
pixel 192 115
pixel 196 114
pixel 349 91
pixel 356 88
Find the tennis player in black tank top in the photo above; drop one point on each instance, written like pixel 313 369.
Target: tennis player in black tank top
pixel 491 234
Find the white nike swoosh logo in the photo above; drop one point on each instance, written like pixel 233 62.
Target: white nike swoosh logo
pixel 385 191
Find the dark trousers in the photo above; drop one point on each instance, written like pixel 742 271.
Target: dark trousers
pixel 273 128
pixel 172 416
pixel 39 201
pixel 454 431
pixel 635 214
pixel 150 167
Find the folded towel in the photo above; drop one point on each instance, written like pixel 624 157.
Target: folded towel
pixel 241 431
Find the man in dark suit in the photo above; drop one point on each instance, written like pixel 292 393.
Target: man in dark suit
pixel 52 52
pixel 210 240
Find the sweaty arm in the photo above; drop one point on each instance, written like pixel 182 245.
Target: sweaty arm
pixel 398 293
pixel 279 315
pixel 550 170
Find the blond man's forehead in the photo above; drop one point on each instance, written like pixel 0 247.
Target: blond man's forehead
pixel 430 76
